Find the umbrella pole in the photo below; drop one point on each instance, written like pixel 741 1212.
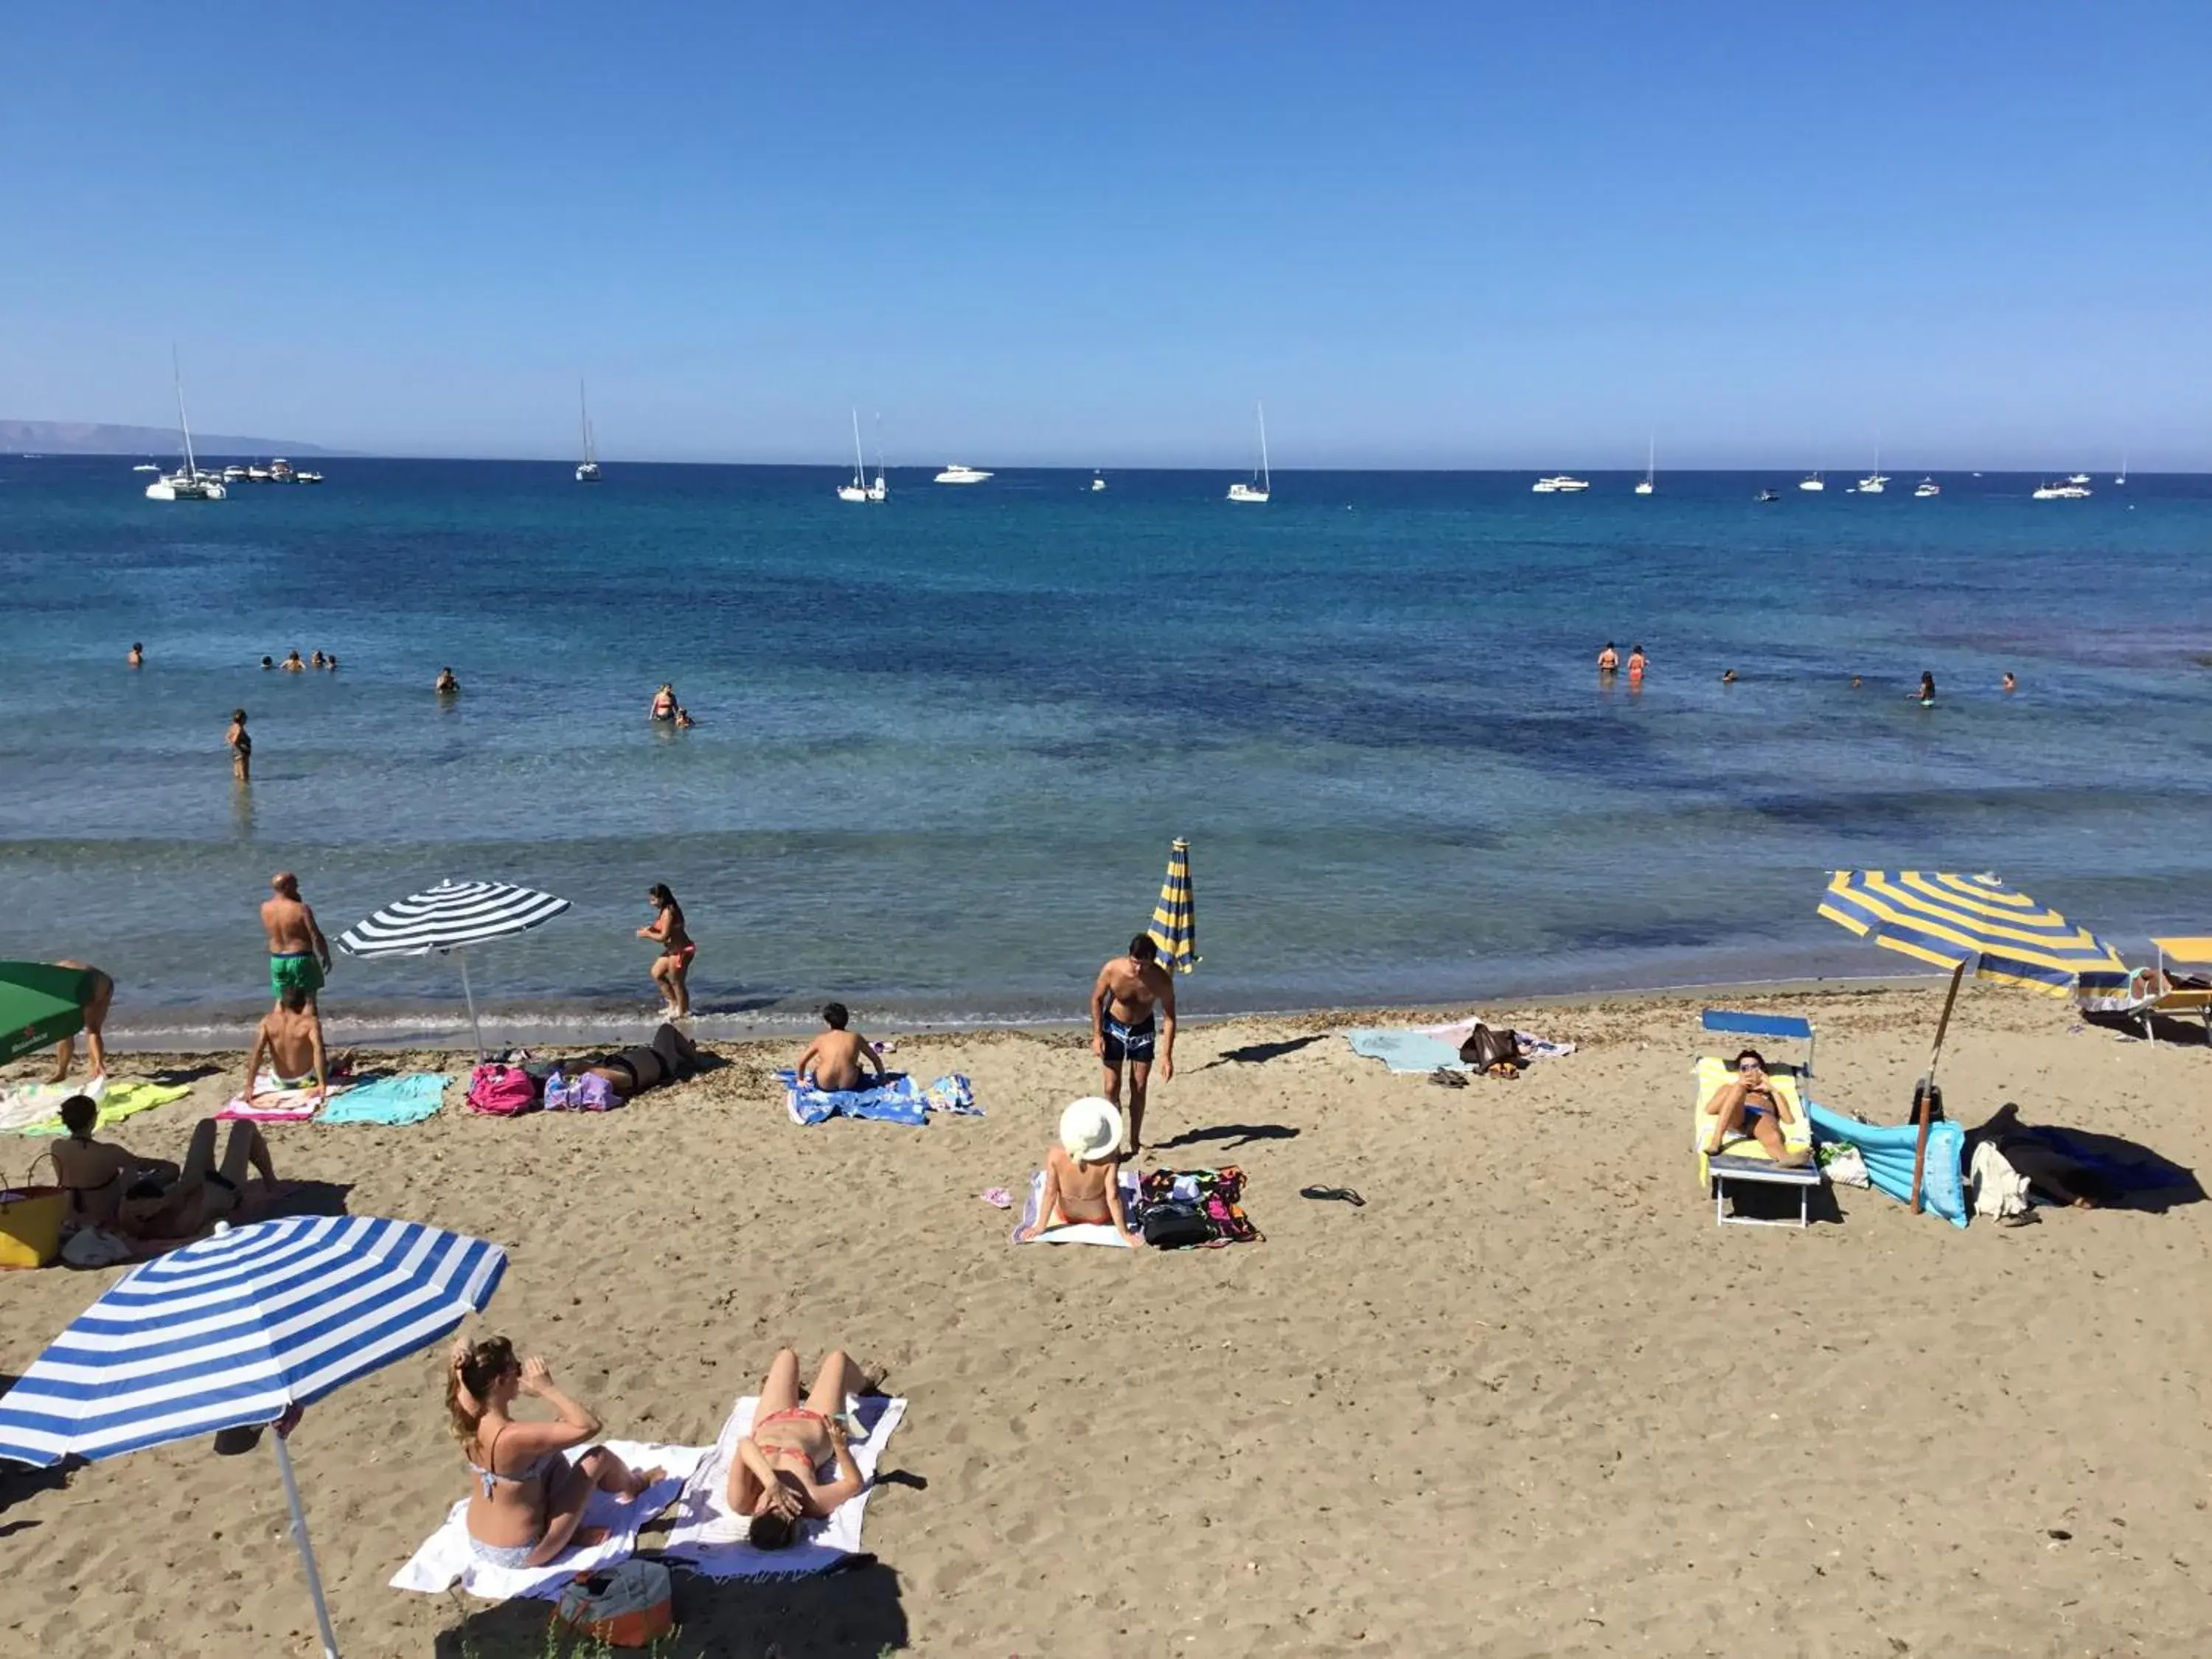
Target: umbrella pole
pixel 306 1550
pixel 474 1026
pixel 1928 1093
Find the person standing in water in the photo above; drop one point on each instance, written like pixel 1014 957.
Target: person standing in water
pixel 663 704
pixel 447 684
pixel 299 955
pixel 1608 660
pixel 1132 1019
pixel 241 747
pixel 1636 664
pixel 2010 683
pixel 138 657
pixel 1925 696
pixel 672 966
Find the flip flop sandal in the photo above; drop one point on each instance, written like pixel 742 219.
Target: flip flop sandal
pixel 1446 1078
pixel 1343 1194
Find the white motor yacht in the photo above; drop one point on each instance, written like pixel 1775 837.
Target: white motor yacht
pixel 256 475
pixel 307 477
pixel 956 473
pixel 1926 488
pixel 1559 484
pixel 1097 484
pixel 2078 478
pixel 233 474
pixel 1263 483
pixel 145 467
pixel 280 471
pixel 2069 491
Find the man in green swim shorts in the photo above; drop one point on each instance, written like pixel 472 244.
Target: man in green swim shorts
pixel 299 955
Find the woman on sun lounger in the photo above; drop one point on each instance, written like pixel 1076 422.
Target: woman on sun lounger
pixel 1082 1173
pixel 1751 1105
pixel 525 1500
pixel 775 1477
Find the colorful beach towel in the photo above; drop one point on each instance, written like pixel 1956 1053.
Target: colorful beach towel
pixel 896 1099
pixel 446 1559
pixel 122 1100
pixel 389 1100
pixel 707 1538
pixel 272 1106
pixel 34 1103
pixel 1080 1232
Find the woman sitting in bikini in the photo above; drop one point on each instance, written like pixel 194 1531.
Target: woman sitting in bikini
pixel 108 1187
pixel 1751 1105
pixel 673 964
pixel 775 1477
pixel 1082 1173
pixel 526 1499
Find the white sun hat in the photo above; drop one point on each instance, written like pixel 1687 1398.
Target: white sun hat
pixel 1090 1129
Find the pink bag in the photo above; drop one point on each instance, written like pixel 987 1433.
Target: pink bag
pixel 502 1091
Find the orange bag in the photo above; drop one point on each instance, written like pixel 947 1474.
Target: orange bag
pixel 630 1605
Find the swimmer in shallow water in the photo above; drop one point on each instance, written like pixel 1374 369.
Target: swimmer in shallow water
pixel 1856 682
pixel 2010 683
pixel 1607 659
pixel 1925 696
pixel 663 704
pixel 138 657
pixel 1635 664
pixel 241 747
pixel 1728 677
pixel 292 664
pixel 447 684
pixel 684 720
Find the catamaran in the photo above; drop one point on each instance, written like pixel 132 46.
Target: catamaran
pixel 860 490
pixel 192 484
pixel 1263 484
pixel 1650 455
pixel 588 470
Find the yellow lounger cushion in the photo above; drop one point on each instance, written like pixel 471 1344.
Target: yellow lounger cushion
pixel 1714 1074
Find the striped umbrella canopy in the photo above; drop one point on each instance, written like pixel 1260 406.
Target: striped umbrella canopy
pixel 38 1007
pixel 1175 918
pixel 1969 922
pixel 239 1328
pixel 449 919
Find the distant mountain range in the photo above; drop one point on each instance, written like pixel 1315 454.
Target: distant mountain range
pixel 96 438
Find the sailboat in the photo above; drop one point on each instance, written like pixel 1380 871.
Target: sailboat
pixel 1650 455
pixel 588 470
pixel 858 489
pixel 190 484
pixel 2121 476
pixel 1876 481
pixel 1812 481
pixel 1262 485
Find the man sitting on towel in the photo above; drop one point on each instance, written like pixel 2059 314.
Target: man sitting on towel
pixel 1751 1105
pixel 291 1035
pixel 833 1061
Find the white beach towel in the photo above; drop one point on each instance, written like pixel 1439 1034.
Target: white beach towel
pixel 709 1539
pixel 34 1103
pixel 275 1103
pixel 446 1559
pixel 1082 1232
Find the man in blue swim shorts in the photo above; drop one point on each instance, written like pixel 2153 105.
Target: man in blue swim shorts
pixel 1132 1020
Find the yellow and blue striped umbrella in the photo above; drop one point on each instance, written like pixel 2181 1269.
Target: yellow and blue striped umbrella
pixel 1969 922
pixel 1175 918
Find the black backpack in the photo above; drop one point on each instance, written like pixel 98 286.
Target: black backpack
pixel 1484 1049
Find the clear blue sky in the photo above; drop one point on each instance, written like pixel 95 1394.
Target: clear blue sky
pixel 1428 235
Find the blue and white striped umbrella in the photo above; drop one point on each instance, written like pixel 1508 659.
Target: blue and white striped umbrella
pixel 446 920
pixel 236 1330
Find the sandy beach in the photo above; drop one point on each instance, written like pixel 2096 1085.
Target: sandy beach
pixel 1528 1400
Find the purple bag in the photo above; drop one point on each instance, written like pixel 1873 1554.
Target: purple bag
pixel 588 1092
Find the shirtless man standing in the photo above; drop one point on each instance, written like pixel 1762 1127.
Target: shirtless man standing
pixel 834 1060
pixel 1125 1025
pixel 299 955
pixel 291 1037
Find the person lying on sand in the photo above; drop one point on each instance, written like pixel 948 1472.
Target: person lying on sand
pixel 205 1192
pixel 1082 1172
pixel 775 1476
pixel 291 1036
pixel 1750 1106
pixel 669 1057
pixel 526 1500
pixel 833 1061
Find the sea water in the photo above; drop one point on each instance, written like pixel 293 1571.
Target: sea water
pixel 943 743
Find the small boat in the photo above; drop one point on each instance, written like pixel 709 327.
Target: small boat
pixel 858 489
pixel 145 467
pixel 956 473
pixel 256 475
pixel 307 477
pixel 588 469
pixel 1926 488
pixel 2069 491
pixel 1650 455
pixel 189 484
pixel 1812 481
pixel 2078 478
pixel 1559 484
pixel 233 474
pixel 280 471
pixel 1097 484
pixel 1263 483
pixel 1765 495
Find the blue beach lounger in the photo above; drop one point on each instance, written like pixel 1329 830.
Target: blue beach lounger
pixel 1741 1158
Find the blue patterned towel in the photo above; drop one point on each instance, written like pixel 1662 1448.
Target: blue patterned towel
pixel 897 1099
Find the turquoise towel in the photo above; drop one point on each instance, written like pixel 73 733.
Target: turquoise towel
pixel 407 1099
pixel 1404 1050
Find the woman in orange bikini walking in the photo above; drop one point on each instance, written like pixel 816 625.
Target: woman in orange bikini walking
pixel 673 965
pixel 775 1476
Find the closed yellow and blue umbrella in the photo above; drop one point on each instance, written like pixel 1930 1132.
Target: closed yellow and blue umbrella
pixel 1973 922
pixel 1175 918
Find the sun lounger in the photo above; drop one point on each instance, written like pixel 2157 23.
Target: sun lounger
pixel 2150 992
pixel 1741 1158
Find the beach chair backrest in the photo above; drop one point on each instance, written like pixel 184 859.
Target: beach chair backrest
pixel 1786 1028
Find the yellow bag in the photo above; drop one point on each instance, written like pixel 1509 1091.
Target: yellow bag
pixel 31 1225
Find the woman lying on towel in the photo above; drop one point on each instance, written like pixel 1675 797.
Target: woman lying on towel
pixel 526 1499
pixel 775 1477
pixel 670 1058
pixel 1751 1106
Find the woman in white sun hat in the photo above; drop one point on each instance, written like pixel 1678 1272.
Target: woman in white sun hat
pixel 1082 1171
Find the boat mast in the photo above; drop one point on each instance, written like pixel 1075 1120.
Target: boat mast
pixel 184 426
pixel 860 467
pixel 1267 485
pixel 1650 457
pixel 584 424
